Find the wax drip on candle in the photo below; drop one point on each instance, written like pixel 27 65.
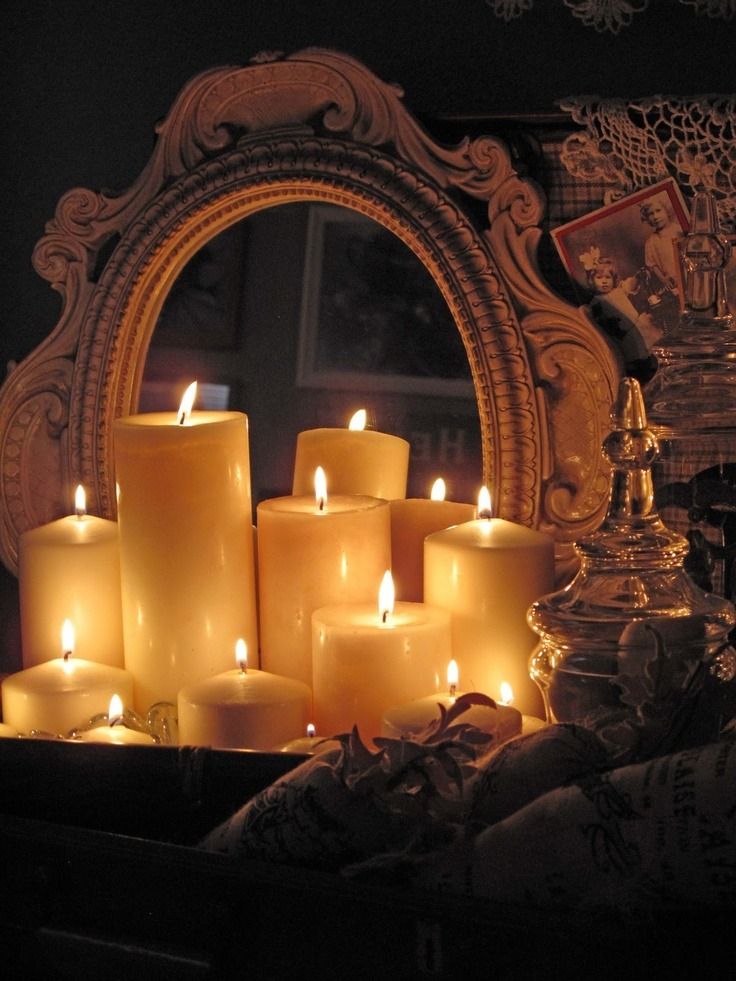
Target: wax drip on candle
pixel 320 488
pixel 453 675
pixel 484 504
pixel 67 642
pixel 386 596
pixel 187 401
pixel 241 655
pixel 358 420
pixel 80 501
pixel 438 490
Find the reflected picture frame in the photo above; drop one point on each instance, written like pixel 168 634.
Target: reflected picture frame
pixel 361 283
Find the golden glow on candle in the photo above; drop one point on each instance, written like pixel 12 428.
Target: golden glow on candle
pixel 320 489
pixel 311 731
pixel 507 693
pixel 358 420
pixel 241 654
pixel 386 596
pixel 453 676
pixel 438 490
pixel 115 709
pixel 80 501
pixel 187 401
pixel 484 503
pixel 67 644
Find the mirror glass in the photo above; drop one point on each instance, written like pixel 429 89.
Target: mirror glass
pixel 300 314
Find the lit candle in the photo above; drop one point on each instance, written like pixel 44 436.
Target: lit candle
pixel 186 545
pixel 487 573
pixel 412 519
pixel 408 719
pixel 313 551
pixel 311 744
pixel 356 460
pixel 115 733
pixel 70 568
pixel 60 695
pixel 365 659
pixel 243 708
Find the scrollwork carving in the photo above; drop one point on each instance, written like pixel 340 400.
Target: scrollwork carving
pixel 316 125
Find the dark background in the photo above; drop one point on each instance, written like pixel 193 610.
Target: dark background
pixel 84 82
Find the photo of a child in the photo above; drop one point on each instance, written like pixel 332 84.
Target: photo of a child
pixel 623 260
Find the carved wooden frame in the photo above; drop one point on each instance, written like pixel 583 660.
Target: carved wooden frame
pixel 316 125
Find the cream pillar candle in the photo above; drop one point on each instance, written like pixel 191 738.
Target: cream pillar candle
pixel 70 569
pixel 412 519
pixel 487 573
pixel 365 659
pixel 186 547
pixel 356 461
pixel 310 557
pixel 503 721
pixel 311 744
pixel 7 732
pixel 243 709
pixel 63 694
pixel 115 733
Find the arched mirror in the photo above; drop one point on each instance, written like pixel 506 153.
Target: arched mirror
pixel 315 142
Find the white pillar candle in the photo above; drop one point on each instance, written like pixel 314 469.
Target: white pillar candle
pixel 115 732
pixel 70 569
pixel 309 745
pixel 412 519
pixel 243 709
pixel 186 547
pixel 487 573
pixel 63 694
pixel 310 557
pixel 356 461
pixel 365 659
pixel 408 719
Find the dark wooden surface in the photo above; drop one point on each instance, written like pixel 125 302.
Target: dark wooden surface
pixel 100 879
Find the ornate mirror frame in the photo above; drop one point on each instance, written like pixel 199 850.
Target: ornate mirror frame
pixel 316 125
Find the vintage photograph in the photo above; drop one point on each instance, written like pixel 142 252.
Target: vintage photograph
pixel 624 262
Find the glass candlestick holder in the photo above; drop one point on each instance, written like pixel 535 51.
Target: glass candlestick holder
pixel 691 405
pixel 633 648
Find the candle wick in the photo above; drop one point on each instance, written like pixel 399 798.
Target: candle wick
pixel 384 616
pixel 243 665
pixel 182 418
pixel 453 690
pixel 67 655
pixel 321 503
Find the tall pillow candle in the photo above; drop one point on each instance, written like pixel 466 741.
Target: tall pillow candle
pixel 186 546
pixel 487 573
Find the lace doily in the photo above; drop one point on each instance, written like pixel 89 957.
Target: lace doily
pixel 632 144
pixel 611 15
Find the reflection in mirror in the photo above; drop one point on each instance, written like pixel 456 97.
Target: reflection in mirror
pixel 304 312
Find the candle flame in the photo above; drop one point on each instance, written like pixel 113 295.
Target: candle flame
pixel 115 709
pixel 484 503
pixel 80 501
pixel 311 731
pixel 438 490
pixel 386 595
pixel 453 676
pixel 320 488
pixel 67 639
pixel 241 654
pixel 358 420
pixel 187 401
pixel 507 693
